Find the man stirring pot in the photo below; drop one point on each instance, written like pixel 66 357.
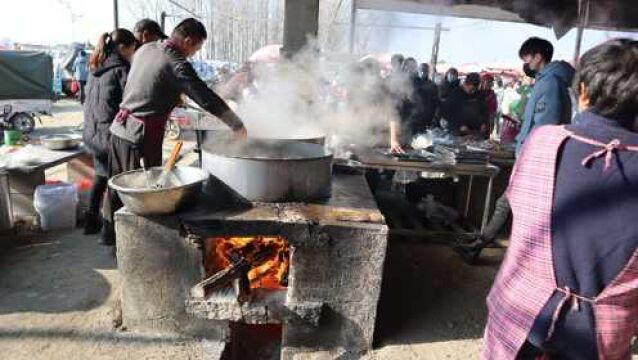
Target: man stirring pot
pixel 160 73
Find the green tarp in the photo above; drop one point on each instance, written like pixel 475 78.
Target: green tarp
pixel 25 75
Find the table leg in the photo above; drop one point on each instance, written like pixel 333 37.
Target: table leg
pixel 468 198
pixel 488 203
pixel 198 136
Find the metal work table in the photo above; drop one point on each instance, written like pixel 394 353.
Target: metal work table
pixel 369 159
pixel 45 158
pixel 23 179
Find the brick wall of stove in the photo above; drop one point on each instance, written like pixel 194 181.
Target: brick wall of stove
pixel 341 267
pixel 157 267
pixel 336 263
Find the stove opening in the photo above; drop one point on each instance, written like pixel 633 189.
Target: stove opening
pixel 254 342
pixel 259 262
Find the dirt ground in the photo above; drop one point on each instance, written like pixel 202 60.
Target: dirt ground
pixel 57 292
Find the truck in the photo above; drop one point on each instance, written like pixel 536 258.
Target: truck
pixel 26 89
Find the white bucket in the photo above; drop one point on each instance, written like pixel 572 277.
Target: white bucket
pixel 56 206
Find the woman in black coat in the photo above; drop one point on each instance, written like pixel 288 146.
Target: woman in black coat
pixel 109 66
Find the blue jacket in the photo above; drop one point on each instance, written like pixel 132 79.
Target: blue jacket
pixel 549 103
pixel 81 68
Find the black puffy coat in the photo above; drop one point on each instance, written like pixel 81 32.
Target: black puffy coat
pixel 462 109
pixel 104 92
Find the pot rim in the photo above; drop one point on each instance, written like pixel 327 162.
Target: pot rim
pixel 155 191
pixel 329 155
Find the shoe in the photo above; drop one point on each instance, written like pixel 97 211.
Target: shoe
pixel 92 223
pixel 469 253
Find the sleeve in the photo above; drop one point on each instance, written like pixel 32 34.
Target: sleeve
pixel 123 75
pixel 190 83
pixel 547 109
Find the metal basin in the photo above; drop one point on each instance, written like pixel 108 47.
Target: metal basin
pixel 132 188
pixel 61 141
pixel 271 171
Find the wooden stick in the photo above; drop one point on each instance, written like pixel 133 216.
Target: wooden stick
pixel 172 159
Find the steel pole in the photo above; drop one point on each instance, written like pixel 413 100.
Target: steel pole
pixel 116 14
pixel 435 48
pixel 353 25
pixel 583 20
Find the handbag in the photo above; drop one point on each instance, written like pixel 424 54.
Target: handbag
pixel 75 86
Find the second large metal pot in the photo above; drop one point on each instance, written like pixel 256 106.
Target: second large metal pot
pixel 271 171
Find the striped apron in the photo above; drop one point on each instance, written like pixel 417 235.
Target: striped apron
pixel 526 280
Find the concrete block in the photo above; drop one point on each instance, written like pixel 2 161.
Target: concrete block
pixel 157 268
pixel 22 205
pixel 25 182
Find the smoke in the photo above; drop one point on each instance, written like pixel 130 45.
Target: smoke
pixel 346 100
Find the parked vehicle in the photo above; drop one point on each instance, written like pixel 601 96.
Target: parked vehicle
pixel 26 89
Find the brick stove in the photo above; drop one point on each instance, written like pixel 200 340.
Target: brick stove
pixel 324 302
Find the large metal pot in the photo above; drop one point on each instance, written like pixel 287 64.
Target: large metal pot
pixel 132 187
pixel 271 170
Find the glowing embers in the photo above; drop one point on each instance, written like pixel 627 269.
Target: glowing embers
pixel 264 259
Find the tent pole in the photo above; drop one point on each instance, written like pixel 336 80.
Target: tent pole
pixel 353 25
pixel 116 15
pixel 435 47
pixel 583 19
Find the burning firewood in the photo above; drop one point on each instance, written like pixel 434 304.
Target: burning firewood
pixel 238 273
pixel 268 274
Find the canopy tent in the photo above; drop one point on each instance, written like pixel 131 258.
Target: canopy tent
pixel 561 15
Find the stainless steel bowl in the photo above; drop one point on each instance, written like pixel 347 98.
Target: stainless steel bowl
pixel 139 199
pixel 61 141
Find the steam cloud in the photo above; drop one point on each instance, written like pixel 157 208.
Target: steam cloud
pixel 315 94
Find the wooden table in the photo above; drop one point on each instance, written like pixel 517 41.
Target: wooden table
pixel 370 159
pixel 23 179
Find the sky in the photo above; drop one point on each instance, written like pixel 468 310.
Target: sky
pixel 469 40
pixel 49 22
pixel 475 40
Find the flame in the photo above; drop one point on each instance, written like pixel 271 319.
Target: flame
pixel 271 272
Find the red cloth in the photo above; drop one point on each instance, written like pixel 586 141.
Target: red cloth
pixel 492 103
pixel 487 77
pixel 526 279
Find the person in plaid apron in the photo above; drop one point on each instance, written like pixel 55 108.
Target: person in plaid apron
pixel 568 287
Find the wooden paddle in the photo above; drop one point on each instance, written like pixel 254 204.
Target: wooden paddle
pixel 168 167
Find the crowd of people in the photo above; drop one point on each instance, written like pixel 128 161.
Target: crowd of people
pixel 462 105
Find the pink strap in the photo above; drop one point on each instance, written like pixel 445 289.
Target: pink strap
pixel 569 295
pixel 607 149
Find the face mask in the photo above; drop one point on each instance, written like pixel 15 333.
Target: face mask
pixel 451 78
pixel 529 71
